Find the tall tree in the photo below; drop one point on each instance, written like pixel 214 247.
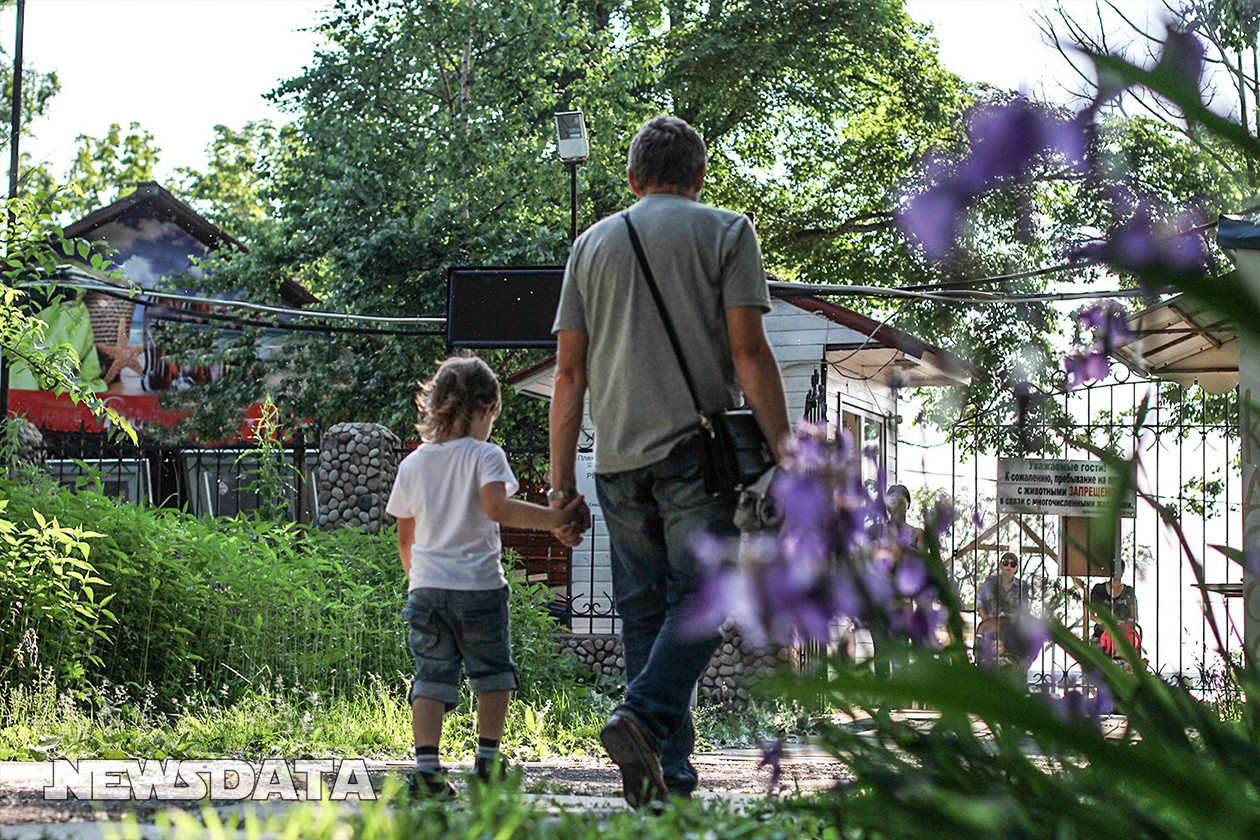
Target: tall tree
pixel 106 167
pixel 230 190
pixel 423 140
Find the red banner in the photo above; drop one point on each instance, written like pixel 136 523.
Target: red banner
pixel 53 411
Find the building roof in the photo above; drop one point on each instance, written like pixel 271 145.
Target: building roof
pixel 880 352
pixel 167 206
pixel 158 197
pixel 1182 341
pixel 867 350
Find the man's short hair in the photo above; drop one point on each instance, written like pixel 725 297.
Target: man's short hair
pixel 667 151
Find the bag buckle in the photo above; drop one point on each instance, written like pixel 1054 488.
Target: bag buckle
pixel 707 425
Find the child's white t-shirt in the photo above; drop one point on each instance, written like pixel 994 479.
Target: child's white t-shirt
pixel 439 485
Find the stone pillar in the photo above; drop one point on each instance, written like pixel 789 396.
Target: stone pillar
pixel 27 445
pixel 357 465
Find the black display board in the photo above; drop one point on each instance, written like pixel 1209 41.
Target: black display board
pixel 511 306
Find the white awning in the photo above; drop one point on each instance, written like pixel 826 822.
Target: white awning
pixel 1181 341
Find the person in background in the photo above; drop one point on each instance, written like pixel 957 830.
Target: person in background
pixel 1117 597
pixel 900 532
pixel 1002 602
pixel 1004 594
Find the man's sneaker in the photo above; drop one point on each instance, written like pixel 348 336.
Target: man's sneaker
pixel 642 782
pixel 491 769
pixel 429 785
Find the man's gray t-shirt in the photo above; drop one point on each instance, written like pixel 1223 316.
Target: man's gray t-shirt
pixel 705 260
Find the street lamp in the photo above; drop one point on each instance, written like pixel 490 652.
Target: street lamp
pixel 574 148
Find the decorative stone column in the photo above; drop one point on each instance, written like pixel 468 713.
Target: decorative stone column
pixel 28 445
pixel 357 465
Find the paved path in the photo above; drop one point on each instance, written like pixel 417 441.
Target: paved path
pixel 571 784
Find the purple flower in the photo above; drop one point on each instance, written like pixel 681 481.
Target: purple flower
pixel 823 568
pixel 1141 245
pixel 1077 707
pixel 977 520
pixel 772 757
pixel 808 452
pixel 933 218
pixel 804 500
pixel 1006 141
pixel 940 517
pixel 910 577
pixel 924 622
pixel 1074 707
pixel 1183 57
pixel 1026 637
pixel 1083 368
pixel 1109 322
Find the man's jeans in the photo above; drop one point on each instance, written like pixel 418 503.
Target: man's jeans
pixel 651 514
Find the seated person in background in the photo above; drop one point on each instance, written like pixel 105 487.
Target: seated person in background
pixel 1002 599
pixel 1118 597
pixel 1004 594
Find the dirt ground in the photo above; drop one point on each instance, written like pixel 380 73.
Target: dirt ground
pixel 582 782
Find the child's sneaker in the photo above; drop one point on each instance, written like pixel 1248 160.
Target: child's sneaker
pixel 491 769
pixel 429 785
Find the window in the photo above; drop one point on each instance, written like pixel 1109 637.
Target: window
pixel 866 430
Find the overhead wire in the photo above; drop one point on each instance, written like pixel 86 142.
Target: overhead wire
pixel 155 299
pixel 74 278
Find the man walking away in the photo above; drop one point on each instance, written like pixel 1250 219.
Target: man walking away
pixel 610 338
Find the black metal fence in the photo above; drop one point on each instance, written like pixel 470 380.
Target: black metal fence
pixel 229 480
pixel 1188 452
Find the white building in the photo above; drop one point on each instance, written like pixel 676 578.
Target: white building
pixel 838 368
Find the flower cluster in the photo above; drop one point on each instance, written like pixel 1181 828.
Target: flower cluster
pixel 1007 143
pixel 1108 323
pixel 835 563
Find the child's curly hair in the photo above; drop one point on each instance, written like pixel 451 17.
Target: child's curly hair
pixel 462 388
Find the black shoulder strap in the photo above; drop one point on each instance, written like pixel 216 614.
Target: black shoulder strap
pixel 660 307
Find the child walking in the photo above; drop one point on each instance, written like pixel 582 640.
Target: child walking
pixel 450 497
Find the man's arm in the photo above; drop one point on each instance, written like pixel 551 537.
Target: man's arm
pixel 758 373
pixel 406 536
pixel 566 407
pixel 982 600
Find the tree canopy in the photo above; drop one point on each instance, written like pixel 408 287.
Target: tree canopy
pixel 423 139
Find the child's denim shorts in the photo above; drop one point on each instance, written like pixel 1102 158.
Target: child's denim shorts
pixel 450 628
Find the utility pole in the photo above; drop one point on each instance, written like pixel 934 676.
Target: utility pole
pixel 15 131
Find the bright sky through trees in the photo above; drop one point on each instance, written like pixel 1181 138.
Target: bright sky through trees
pixel 179 67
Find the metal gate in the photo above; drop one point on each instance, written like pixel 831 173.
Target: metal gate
pixel 1188 451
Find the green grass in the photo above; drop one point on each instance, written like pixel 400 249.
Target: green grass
pixel 497 813
pixel 37 723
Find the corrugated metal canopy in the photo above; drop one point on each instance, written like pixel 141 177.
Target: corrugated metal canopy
pixel 1181 341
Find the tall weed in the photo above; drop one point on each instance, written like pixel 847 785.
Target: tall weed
pixel 219 607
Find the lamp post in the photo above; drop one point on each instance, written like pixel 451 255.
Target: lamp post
pixel 574 148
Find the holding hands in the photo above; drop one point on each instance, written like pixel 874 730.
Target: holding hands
pixel 578 518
